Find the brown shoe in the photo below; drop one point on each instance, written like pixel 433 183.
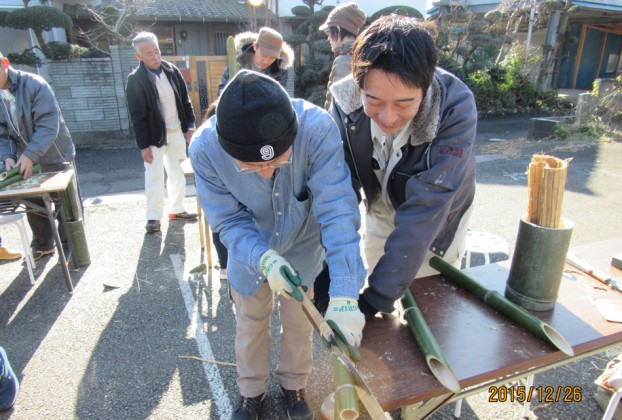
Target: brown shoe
pixel 184 216
pixel 8 255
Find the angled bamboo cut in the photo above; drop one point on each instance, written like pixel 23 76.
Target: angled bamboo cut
pixel 427 344
pixel 498 302
pixel 546 185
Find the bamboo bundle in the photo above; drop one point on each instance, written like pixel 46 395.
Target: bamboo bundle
pixel 427 344
pixel 547 181
pixel 498 302
pixel 12 176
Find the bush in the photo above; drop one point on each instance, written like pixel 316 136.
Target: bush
pixel 55 50
pixel 38 18
pixel 609 108
pixel 398 10
pixel 25 58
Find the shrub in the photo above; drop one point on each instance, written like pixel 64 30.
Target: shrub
pixel 55 50
pixel 38 18
pixel 25 58
pixel 609 108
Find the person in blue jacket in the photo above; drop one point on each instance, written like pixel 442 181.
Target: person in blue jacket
pixel 272 179
pixel 408 129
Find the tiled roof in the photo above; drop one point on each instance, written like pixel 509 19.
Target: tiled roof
pixel 188 10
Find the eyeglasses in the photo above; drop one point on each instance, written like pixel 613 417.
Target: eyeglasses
pixel 275 165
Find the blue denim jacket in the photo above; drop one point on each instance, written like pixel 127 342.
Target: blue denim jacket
pixel 306 208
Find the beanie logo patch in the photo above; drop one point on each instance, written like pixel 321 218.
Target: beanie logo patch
pixel 267 152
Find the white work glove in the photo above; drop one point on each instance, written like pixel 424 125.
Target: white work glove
pixel 344 316
pixel 281 276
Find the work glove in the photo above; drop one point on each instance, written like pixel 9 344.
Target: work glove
pixel 345 318
pixel 281 276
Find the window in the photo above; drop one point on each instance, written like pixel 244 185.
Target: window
pixel 221 42
pixel 166 40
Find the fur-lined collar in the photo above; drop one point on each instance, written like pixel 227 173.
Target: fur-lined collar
pixel 245 38
pixel 345 48
pixel 426 122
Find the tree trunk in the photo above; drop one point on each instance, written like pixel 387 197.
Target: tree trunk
pixel 510 29
pixel 548 64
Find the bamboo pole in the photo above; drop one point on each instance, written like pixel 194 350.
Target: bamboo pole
pixel 346 400
pixel 498 302
pixel 427 344
pixel 232 61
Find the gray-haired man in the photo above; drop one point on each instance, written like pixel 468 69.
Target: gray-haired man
pixel 161 113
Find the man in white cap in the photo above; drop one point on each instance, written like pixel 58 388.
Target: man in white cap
pixel 264 52
pixel 272 179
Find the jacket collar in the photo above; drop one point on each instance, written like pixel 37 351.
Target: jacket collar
pixel 426 122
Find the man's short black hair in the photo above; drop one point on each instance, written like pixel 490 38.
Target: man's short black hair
pixel 398 45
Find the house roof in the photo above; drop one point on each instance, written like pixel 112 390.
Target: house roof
pixel 191 10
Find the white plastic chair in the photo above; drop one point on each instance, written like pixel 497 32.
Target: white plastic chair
pixel 18 220
pixel 484 243
pixel 616 382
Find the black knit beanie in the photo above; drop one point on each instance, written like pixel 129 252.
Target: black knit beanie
pixel 255 119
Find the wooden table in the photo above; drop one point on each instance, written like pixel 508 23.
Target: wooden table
pixel 482 347
pixel 45 186
pixel 204 230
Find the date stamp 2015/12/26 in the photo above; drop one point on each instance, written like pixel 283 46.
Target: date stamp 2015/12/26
pixel 547 394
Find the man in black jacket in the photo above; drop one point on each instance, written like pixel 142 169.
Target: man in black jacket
pixel 161 113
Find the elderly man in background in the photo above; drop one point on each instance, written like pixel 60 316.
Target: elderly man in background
pixel 161 112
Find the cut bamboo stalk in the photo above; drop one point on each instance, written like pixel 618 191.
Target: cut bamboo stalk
pixel 346 400
pixel 498 302
pixel 427 344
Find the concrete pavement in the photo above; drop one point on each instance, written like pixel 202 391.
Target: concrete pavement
pixel 121 352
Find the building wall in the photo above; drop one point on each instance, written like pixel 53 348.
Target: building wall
pixel 91 95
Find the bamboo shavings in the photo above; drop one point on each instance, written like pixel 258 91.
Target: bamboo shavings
pixel 546 184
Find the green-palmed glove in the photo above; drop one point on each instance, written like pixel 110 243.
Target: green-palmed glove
pixel 344 316
pixel 281 276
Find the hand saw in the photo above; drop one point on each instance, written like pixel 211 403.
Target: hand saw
pixel 599 275
pixel 326 332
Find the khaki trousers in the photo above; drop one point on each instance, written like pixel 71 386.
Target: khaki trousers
pixel 167 158
pixel 253 342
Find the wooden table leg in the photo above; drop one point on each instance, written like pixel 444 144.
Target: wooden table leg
pixel 201 231
pixel 208 240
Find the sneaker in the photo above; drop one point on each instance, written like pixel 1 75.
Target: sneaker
pixel 152 226
pixel 185 216
pixel 40 253
pixel 297 407
pixel 7 255
pixel 9 385
pixel 248 408
pixel 223 274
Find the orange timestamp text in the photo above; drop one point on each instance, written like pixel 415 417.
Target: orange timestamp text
pixel 546 394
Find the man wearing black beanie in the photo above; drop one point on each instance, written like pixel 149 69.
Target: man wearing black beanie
pixel 272 179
